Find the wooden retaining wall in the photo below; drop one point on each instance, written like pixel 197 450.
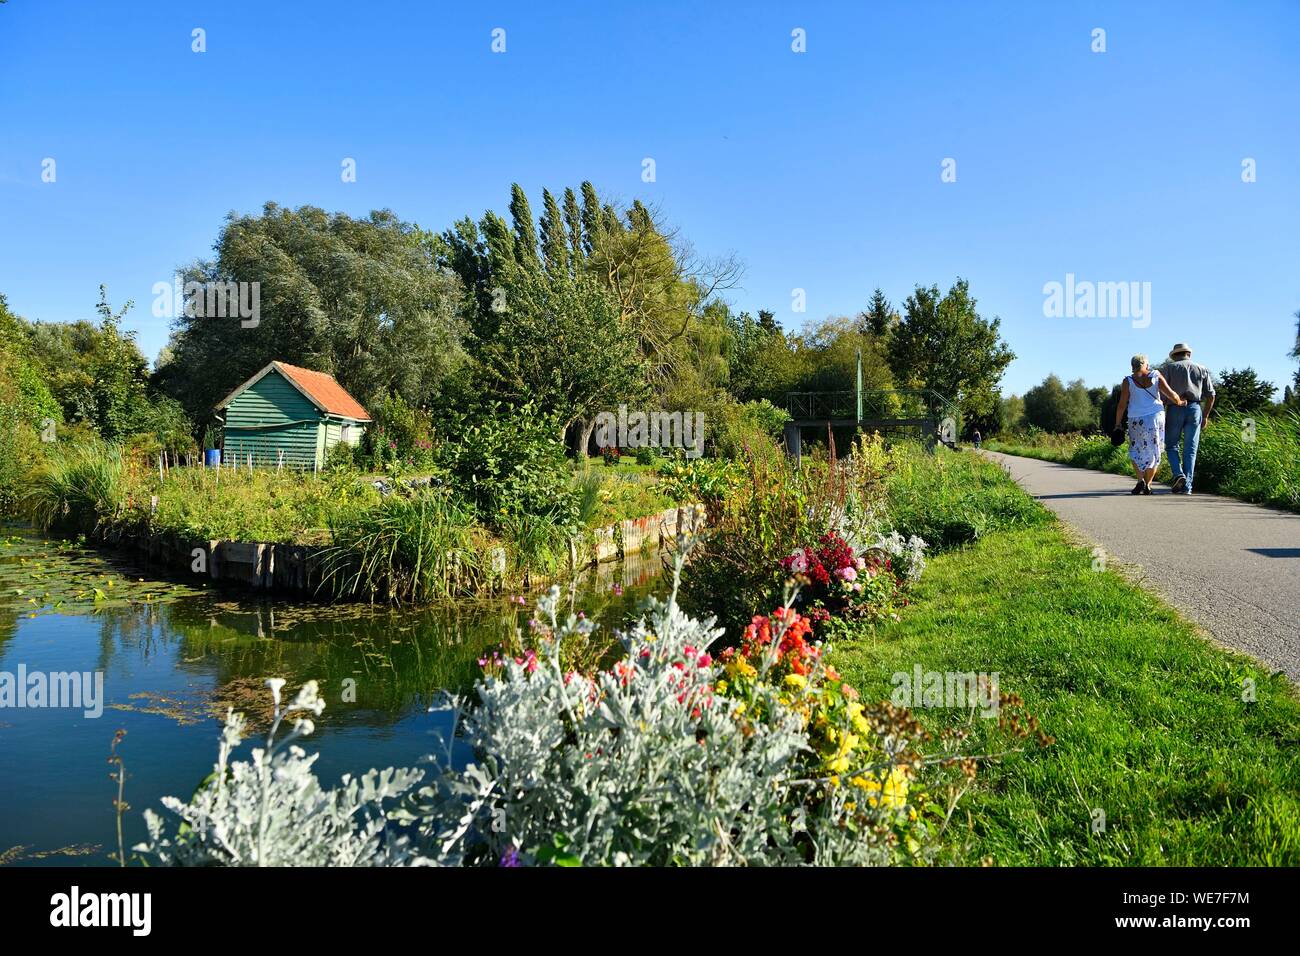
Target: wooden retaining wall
pixel 291 568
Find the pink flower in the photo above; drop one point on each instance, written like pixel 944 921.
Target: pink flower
pixel 848 574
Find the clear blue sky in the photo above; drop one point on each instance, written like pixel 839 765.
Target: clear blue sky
pixel 820 170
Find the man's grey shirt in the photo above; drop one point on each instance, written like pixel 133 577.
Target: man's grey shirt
pixel 1189 379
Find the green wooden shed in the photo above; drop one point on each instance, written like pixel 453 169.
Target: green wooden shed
pixel 290 415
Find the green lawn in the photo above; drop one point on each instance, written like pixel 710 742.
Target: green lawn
pixel 1148 717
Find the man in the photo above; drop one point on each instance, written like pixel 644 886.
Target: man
pixel 1183 423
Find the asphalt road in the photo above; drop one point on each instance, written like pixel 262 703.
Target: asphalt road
pixel 1232 567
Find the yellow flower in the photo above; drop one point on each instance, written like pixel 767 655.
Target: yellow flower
pixel 894 788
pixel 796 680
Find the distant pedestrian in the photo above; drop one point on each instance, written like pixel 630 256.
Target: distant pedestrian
pixel 977 438
pixel 1194 383
pixel 1141 399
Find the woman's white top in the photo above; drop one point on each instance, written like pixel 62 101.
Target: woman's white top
pixel 1144 402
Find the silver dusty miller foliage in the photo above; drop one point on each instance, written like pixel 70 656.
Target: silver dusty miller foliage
pixel 271 810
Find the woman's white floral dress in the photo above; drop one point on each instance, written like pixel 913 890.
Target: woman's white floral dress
pixel 1146 423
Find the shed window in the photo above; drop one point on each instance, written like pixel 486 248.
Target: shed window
pixel 345 433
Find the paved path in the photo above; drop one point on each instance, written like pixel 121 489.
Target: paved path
pixel 1232 567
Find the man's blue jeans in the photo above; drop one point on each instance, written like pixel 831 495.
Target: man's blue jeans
pixel 1182 427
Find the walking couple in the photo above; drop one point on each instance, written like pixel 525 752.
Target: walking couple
pixel 1183 384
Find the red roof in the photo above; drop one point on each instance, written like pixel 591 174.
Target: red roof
pixel 328 394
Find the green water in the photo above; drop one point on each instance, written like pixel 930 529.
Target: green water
pixel 174 656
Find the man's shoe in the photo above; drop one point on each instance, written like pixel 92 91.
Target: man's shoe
pixel 1180 485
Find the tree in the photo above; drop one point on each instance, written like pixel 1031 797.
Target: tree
pixel 561 345
pixel 1054 407
pixel 361 299
pixel 1106 413
pixel 943 344
pixel 1243 390
pixel 1013 413
pixel 880 316
pixel 555 239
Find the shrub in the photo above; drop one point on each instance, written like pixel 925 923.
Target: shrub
pixel 399 434
pixel 645 455
pixel 841 583
pixel 510 461
pixel 701 480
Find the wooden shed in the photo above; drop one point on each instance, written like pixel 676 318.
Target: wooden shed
pixel 289 414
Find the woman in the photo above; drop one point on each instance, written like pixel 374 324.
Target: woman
pixel 1139 396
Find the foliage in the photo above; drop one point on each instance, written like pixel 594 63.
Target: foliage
pixel 509 460
pixel 271 809
pixel 399 433
pixel 361 299
pixel 950 499
pixel 25 402
pixel 409 548
pixel 558 343
pixel 243 505
pixel 1242 390
pixel 758 519
pixel 841 583
pixel 702 480
pixel 78 488
pixel 942 343
pixel 1054 407
pixel 657 760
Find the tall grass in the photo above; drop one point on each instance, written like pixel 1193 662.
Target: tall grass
pixel 538 543
pixel 78 488
pixel 1256 459
pixel 420 548
pixel 950 499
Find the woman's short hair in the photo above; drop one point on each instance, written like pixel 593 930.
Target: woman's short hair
pixel 1138 362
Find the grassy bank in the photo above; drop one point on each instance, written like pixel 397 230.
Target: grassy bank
pixel 1254 459
pixel 1150 725
pixel 424 541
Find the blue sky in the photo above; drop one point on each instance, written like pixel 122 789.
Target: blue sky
pixel 820 170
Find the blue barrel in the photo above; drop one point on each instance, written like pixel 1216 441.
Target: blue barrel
pixel 212 458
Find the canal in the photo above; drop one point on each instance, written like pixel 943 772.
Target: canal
pixel 173 657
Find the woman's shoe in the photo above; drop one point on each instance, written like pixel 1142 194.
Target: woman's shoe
pixel 1138 488
pixel 1146 489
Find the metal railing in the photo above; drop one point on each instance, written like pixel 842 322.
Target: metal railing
pixel 877 405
